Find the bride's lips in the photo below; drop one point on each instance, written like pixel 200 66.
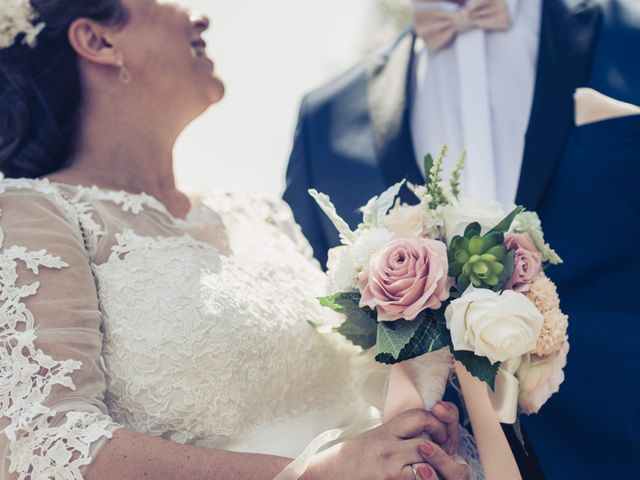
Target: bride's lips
pixel 199 49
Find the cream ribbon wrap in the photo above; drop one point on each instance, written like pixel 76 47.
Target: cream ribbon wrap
pixel 504 398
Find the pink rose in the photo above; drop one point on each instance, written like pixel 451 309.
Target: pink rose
pixel 540 378
pixel 528 261
pixel 406 277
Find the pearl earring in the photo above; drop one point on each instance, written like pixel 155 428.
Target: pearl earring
pixel 124 75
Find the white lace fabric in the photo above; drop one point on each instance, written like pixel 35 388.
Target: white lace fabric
pixel 44 300
pixel 115 314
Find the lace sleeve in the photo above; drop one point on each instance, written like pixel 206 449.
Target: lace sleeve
pixel 53 419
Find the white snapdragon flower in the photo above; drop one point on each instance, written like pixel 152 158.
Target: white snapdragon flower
pixel 16 17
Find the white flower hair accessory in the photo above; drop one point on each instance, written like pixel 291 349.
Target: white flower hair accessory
pixel 16 17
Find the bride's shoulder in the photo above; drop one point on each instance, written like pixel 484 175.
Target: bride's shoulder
pixel 256 206
pixel 33 193
pixel 242 210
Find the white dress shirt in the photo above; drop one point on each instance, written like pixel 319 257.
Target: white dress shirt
pixel 476 94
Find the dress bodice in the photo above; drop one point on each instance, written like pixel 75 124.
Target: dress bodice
pixel 198 330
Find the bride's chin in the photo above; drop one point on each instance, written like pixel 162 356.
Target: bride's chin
pixel 216 91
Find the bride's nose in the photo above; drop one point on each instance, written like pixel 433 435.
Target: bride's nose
pixel 199 20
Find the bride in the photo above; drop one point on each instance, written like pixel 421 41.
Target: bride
pixel 160 334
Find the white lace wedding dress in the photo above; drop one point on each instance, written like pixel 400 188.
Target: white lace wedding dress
pixel 116 314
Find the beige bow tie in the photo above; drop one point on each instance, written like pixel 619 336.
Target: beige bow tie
pixel 438 27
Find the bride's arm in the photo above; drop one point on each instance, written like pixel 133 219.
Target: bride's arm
pixel 133 456
pixel 380 453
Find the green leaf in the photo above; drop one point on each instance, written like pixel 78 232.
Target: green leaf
pixel 360 324
pixel 393 337
pixel 475 245
pixel 491 240
pixel 340 302
pixel 505 225
pixel 463 283
pixel 499 251
pixel 472 230
pixel 509 263
pixel 430 335
pixel 479 367
pixel 455 269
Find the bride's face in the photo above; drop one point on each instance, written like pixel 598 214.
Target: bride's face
pixel 163 48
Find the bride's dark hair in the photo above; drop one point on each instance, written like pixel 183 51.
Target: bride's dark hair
pixel 40 89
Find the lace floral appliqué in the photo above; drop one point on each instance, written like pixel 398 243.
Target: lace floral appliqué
pixel 27 375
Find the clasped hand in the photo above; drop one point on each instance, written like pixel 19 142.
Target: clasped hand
pixel 394 450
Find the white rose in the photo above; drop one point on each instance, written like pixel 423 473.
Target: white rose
pixel 467 210
pixel 499 327
pixel 405 220
pixel 540 378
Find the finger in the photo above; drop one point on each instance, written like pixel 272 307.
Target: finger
pixel 425 472
pixel 419 471
pixel 443 464
pixel 413 423
pixel 407 473
pixel 409 451
pixel 448 413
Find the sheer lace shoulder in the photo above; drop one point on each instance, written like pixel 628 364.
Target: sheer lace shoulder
pixel 237 206
pixel 51 382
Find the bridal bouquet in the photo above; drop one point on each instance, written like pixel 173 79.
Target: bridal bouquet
pixel 452 275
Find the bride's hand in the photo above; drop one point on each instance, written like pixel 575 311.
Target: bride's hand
pixel 388 451
pixel 447 467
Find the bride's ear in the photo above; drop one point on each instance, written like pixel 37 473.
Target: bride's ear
pixel 92 42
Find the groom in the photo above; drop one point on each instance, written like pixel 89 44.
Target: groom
pixel 502 87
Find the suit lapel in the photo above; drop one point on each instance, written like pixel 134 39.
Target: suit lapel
pixel 388 88
pixel 567 39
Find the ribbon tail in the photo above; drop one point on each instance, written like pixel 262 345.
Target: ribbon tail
pixel 504 398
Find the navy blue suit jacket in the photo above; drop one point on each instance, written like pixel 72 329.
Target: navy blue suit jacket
pixel 353 140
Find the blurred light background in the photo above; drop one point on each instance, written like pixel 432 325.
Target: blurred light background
pixel 270 53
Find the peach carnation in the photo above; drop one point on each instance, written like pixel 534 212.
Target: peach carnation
pixel 544 295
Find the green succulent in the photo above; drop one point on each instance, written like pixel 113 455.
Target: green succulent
pixel 481 261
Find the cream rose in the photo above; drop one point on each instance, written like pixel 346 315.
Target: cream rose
pixel 540 378
pixel 468 210
pixel 405 220
pixel 492 325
